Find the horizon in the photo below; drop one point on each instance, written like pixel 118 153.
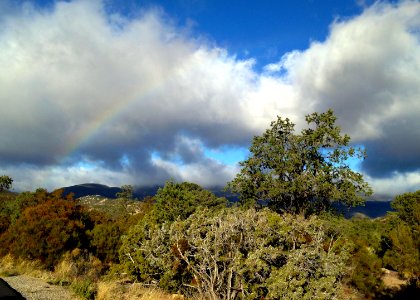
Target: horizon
pixel 139 92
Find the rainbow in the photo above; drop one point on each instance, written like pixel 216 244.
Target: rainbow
pixel 107 115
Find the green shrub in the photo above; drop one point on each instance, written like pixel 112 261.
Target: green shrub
pixel 86 289
pixel 8 209
pixel 236 253
pixel 364 239
pixel 403 236
pixel 105 240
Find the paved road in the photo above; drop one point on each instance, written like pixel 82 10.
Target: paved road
pixel 8 293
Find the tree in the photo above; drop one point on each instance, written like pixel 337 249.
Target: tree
pixel 403 238
pixel 5 183
pixel 408 208
pixel 126 192
pixel 180 200
pixel 175 201
pixel 301 173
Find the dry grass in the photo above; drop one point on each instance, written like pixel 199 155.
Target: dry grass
pixel 350 293
pixel 10 266
pixel 114 290
pixel 392 280
pixel 78 264
pixel 67 271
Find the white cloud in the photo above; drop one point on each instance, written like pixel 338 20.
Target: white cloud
pixel 28 178
pixel 396 184
pixel 368 71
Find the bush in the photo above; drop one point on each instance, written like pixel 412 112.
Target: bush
pixel 85 289
pixel 46 231
pixel 105 240
pixel 175 201
pixel 364 239
pixel 8 209
pixel 239 254
pixel 403 238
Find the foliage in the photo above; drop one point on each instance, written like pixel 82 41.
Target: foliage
pixel 180 200
pixel 403 236
pixel 119 210
pixel 11 266
pixel 364 238
pixel 45 231
pixel 237 254
pixel 31 199
pixel 126 192
pixel 175 201
pixel 7 201
pixel 367 273
pixel 388 242
pixel 186 240
pixel 85 289
pixel 403 252
pixel 5 183
pixel 133 260
pixel 408 208
pixel 105 241
pixel 301 172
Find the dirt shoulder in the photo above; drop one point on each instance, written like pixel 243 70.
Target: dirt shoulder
pixel 37 289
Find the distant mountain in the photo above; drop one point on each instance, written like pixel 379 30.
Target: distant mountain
pixel 89 189
pixel 142 192
pixel 371 209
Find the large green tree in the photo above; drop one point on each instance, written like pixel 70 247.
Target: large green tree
pixel 302 172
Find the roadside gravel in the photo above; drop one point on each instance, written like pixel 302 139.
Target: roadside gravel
pixel 36 289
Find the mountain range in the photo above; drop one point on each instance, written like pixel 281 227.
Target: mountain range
pixel 372 209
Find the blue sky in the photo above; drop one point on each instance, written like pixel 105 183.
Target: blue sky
pixel 263 30
pixel 137 92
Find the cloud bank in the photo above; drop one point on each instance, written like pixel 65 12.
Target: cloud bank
pixel 88 95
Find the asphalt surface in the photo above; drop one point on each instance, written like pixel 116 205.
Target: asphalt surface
pixel 8 293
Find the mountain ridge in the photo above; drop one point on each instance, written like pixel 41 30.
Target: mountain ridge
pixel 371 209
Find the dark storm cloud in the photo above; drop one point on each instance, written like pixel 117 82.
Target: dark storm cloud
pixel 399 153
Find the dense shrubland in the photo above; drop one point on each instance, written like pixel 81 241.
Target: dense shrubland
pixel 185 240
pixel 211 250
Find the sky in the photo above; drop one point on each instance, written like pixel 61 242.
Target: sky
pixel 139 92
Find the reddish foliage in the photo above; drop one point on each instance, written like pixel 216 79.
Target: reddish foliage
pixel 45 231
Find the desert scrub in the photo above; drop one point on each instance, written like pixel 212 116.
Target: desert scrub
pixel 235 253
pixel 10 266
pixel 84 288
